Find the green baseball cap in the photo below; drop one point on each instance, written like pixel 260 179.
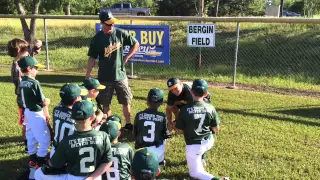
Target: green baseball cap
pixel 82 110
pixel 172 83
pixel 92 83
pixel 145 161
pixel 71 91
pixel 114 118
pixel 26 61
pixel 106 17
pixel 199 87
pixel 112 128
pixel 155 95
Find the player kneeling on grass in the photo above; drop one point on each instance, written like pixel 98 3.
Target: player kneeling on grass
pixel 63 124
pixel 150 126
pixel 86 153
pixel 94 87
pixel 36 111
pixel 122 153
pixel 198 121
pixel 145 165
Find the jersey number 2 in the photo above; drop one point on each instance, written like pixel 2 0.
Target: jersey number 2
pixel 114 169
pixel 90 159
pixel 150 131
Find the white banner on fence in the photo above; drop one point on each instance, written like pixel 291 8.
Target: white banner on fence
pixel 201 35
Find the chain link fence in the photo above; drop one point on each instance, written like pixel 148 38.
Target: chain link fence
pixel 266 51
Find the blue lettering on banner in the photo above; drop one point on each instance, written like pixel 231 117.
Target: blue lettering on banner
pixel 154 43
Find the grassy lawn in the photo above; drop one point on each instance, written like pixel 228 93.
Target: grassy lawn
pixel 264 136
pixel 277 55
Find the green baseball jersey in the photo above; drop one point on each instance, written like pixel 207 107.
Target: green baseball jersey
pixel 63 125
pixel 196 120
pixel 184 98
pixel 31 94
pixel 109 48
pixel 150 128
pixel 82 152
pixel 122 159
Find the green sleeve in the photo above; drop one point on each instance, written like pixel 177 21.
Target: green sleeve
pixel 214 118
pixel 107 155
pixel 128 40
pixel 58 159
pixel 180 121
pixel 93 49
pixel 39 93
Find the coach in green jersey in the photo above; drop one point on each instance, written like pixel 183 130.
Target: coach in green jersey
pixel 198 121
pixel 122 153
pixel 108 45
pixel 86 153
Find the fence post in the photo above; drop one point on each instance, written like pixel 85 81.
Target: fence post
pixel 236 57
pixel 46 42
pixel 131 63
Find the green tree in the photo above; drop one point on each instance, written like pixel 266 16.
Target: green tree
pixel 311 7
pixel 28 31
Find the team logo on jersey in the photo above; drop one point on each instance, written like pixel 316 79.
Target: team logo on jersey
pixel 111 48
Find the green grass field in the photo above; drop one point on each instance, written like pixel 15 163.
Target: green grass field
pixel 277 55
pixel 263 136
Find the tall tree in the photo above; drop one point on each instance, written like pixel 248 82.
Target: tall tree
pixel 29 32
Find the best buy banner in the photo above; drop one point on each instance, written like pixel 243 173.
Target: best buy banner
pixel 154 43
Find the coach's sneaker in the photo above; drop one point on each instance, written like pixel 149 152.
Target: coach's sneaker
pixel 128 127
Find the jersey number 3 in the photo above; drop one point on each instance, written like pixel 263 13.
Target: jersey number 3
pixel 150 131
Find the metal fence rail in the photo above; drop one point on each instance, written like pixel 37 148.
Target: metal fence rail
pixel 262 48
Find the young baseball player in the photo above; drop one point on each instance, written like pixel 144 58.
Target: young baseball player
pixel 86 153
pixel 63 124
pixel 36 111
pixel 122 153
pixel 179 95
pixel 150 125
pixel 94 87
pixel 198 121
pixel 145 165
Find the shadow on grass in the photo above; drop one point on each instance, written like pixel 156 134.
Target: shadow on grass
pixel 302 112
pixel 277 118
pixel 14 169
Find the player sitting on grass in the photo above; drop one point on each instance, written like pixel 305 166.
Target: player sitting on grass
pixel 197 121
pixel 63 124
pixel 36 112
pixel 94 87
pixel 150 125
pixel 86 153
pixel 145 165
pixel 122 153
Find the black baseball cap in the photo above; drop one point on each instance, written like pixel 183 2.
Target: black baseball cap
pixel 172 83
pixel 106 17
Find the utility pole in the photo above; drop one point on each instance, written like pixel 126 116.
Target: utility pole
pixel 201 5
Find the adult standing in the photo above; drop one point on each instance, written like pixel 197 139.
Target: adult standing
pixel 108 45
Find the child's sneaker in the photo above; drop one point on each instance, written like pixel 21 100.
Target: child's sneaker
pixel 32 164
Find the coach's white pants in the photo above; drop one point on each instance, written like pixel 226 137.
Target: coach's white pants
pixel 194 159
pixel 40 176
pixel 159 151
pixel 37 131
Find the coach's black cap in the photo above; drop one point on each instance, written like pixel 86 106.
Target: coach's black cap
pixel 172 83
